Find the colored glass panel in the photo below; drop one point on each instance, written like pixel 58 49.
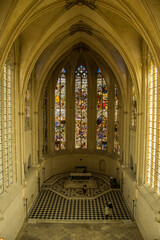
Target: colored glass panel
pixel 28 104
pixel 116 119
pixel 134 108
pixel 60 112
pixel 81 85
pixel 102 112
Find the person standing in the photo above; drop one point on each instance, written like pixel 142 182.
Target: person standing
pixel 84 189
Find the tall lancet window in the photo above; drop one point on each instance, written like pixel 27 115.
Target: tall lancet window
pixel 134 107
pixel 28 105
pixel 6 128
pixel 152 124
pixel 81 78
pixel 60 112
pixel 116 121
pixel 102 112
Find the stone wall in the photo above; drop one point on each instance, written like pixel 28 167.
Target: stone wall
pixel 146 206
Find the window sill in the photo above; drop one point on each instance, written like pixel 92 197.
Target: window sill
pixel 8 196
pixel 30 172
pixel 131 174
pixel 151 197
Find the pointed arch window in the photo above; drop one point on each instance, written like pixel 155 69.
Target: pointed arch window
pixel 60 112
pixel 152 125
pixel 102 112
pixel 28 105
pixel 6 121
pixel 116 120
pixel 134 108
pixel 81 98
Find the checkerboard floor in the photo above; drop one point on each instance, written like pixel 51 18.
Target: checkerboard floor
pixel 51 205
pixel 57 184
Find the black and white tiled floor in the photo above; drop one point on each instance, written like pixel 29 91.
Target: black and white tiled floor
pixel 58 185
pixel 53 205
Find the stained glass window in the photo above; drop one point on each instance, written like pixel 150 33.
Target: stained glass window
pixel 6 160
pixel 102 112
pixel 60 112
pixel 152 123
pixel 45 120
pixel 134 108
pixel 28 105
pixel 116 120
pixel 81 78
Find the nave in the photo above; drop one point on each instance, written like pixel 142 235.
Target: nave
pixel 62 200
pixel 62 212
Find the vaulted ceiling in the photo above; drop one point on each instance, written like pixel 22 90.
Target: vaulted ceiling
pixel 48 31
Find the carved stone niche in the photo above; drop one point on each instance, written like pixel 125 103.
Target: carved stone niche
pixel 102 165
pixel 88 3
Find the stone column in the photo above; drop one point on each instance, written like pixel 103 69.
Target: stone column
pixel 142 120
pixel 40 127
pixel 92 98
pixel 111 120
pixel 69 111
pixel 50 115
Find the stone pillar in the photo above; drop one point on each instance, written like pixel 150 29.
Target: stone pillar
pixel 125 138
pixel 142 120
pixel 33 122
pixel 40 127
pixel 50 115
pixel 111 120
pixel 69 111
pixel 21 143
pixel 92 111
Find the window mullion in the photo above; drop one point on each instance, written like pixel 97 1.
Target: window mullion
pixel 150 122
pixel 154 139
pixel 3 135
pixel 8 126
pixel 153 118
pixel 158 143
pixel 157 132
pixel 1 146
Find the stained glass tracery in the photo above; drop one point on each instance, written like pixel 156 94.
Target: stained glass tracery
pixel 134 108
pixel 81 78
pixel 28 104
pixel 102 112
pixel 60 112
pixel 116 120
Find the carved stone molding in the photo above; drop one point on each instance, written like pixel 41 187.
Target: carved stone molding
pixel 81 46
pixel 88 3
pixel 81 27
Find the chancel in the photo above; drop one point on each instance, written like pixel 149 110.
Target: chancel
pixel 79 119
